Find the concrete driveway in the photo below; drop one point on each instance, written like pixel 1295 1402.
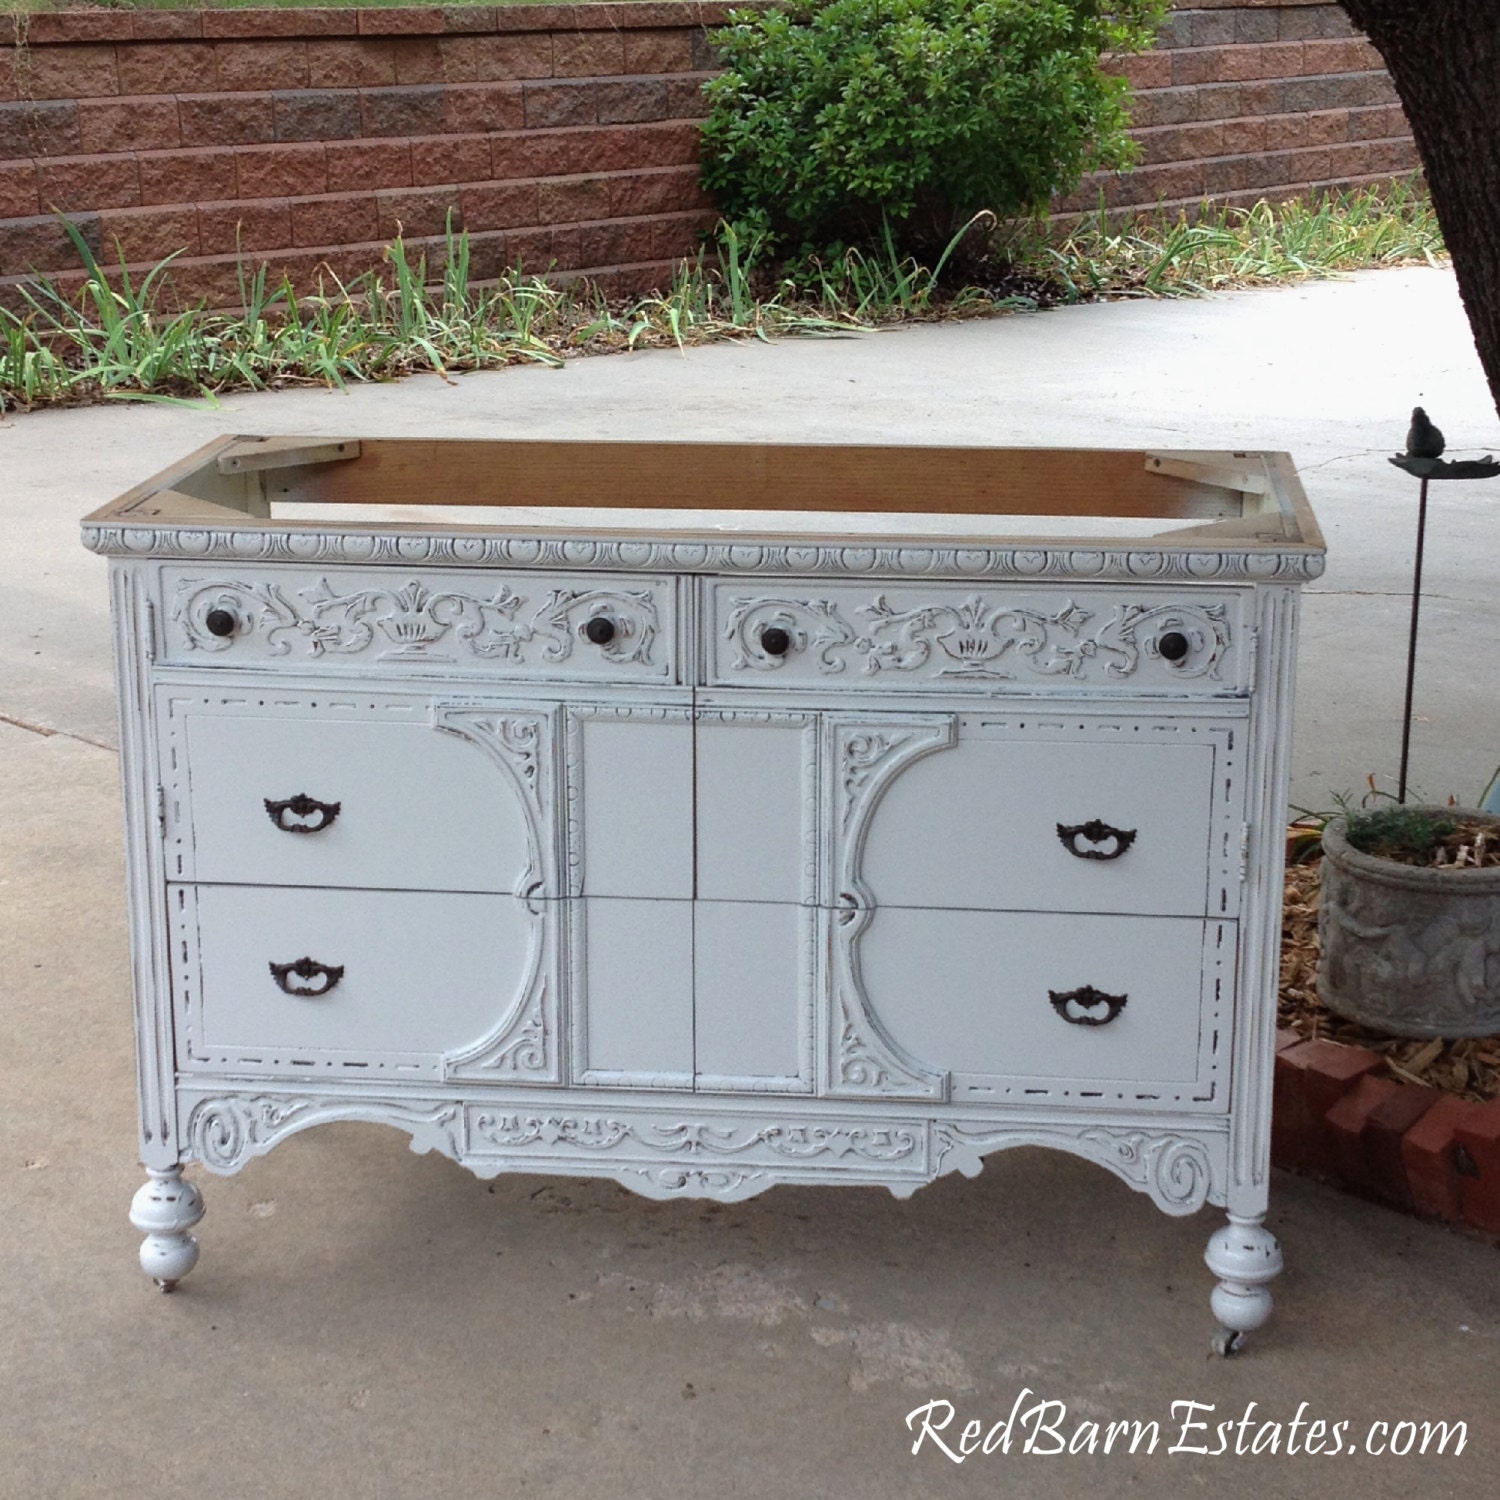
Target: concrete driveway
pixel 366 1323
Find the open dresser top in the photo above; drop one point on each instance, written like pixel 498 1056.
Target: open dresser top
pixel 762 507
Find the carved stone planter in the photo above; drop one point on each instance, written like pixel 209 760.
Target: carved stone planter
pixel 1411 951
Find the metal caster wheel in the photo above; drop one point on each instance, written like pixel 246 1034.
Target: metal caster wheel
pixel 1226 1342
pixel 165 1283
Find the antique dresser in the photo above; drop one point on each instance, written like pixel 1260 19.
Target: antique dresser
pixel 711 816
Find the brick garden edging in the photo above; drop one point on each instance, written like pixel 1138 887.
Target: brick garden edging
pixel 1406 1145
pixel 561 135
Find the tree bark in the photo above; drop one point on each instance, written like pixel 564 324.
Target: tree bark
pixel 1444 59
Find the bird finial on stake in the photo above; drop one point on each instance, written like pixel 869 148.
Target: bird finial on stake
pixel 1423 458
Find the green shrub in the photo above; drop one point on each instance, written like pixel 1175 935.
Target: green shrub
pixel 834 119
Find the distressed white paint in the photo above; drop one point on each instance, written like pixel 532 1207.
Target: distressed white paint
pixel 681 911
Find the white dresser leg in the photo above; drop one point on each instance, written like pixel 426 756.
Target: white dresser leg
pixel 1244 1256
pixel 164 1210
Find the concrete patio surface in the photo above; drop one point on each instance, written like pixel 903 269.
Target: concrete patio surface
pixel 368 1323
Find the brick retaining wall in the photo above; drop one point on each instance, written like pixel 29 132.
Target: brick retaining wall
pixel 558 135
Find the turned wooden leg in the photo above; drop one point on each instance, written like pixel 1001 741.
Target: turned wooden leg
pixel 164 1210
pixel 1244 1256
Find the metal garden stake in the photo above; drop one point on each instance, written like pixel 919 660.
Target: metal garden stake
pixel 1423 458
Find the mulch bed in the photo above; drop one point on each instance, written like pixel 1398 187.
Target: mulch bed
pixel 1468 1067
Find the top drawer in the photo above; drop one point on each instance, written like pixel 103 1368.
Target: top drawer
pixel 501 626
pixel 979 638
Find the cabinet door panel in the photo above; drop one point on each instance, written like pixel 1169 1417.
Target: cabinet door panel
pixel 754 973
pixel 415 809
pixel 631 784
pixel 977 826
pixel 971 993
pixel 755 786
pixel 633 992
pixel 423 973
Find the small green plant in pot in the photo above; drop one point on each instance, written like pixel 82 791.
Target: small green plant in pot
pixel 1409 920
pixel 835 123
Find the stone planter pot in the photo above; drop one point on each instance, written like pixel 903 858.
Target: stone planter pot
pixel 1410 951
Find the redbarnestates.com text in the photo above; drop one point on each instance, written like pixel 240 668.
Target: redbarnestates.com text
pixel 1040 1427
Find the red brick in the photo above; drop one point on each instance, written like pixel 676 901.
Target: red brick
pixel 417 20
pixel 1310 1079
pixel 256 23
pixel 317 115
pixel 489 256
pixel 402 111
pixel 139 124
pixel 166 67
pixel 18 198
pixel 148 235
pixel 418 211
pixel 498 59
pixel 450 158
pixel 1387 1127
pixel 499 205
pixel 368 164
pixel 1377 123
pixel 1241 137
pixel 155 25
pixel 226 119
pixel 73 26
pixel 1427 1156
pixel 686 99
pixel 82 72
pixel 224 228
pixel 420 60
pixel 483 106
pixel 680 235
pixel 1285 132
pixel 671 143
pixel 618 243
pixel 571 200
pixel 346 219
pixel 288 171
pixel 81 184
pixel 1345 1125
pixel 42 243
pixel 588 54
pixel 47 129
pixel 1146 71
pixel 1477 1131
pixel 1194 65
pixel 1274 60
pixel 664 191
pixel 658 51
pixel 261 65
pixel 1173 143
pixel 1326 126
pixel 631 99
pixel 202 176
pixel 8 89
pixel 1342 55
pixel 560 104
pixel 350 63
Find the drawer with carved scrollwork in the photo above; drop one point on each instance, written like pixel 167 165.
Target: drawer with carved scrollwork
pixel 543 626
pixel 980 638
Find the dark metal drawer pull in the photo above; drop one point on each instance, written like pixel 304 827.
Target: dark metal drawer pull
pixel 1096 832
pixel 302 806
pixel 307 968
pixel 1088 998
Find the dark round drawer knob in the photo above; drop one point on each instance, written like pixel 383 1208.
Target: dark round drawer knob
pixel 1173 645
pixel 219 622
pixel 775 641
pixel 600 630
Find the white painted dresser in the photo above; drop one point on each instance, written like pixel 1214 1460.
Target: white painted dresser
pixel 816 815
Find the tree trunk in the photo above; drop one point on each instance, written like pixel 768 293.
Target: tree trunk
pixel 1444 58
